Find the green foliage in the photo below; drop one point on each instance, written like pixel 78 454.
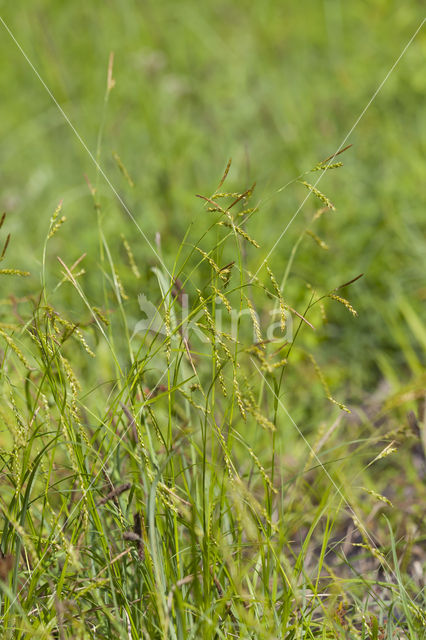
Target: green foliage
pixel 149 488
pixel 245 461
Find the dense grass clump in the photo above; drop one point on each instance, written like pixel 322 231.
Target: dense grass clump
pixel 154 482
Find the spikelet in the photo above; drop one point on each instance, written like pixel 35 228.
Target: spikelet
pixel 280 363
pixel 223 298
pixel 378 496
pixel 345 303
pixel 387 451
pixel 165 500
pixel 207 313
pixel 76 415
pixel 173 495
pixel 272 278
pixel 22 428
pixel 226 272
pixel 225 174
pixel 324 163
pixel 71 328
pixel 131 258
pixel 14 272
pixel 242 196
pixel 145 455
pixel 225 195
pixel 55 322
pixel 318 194
pixel 229 466
pixel 211 263
pixel 239 397
pixel 280 298
pixel 217 336
pixel 55 214
pixel 15 349
pixel 101 316
pixel 220 377
pixel 167 324
pixel 325 385
pixel 56 226
pixel 255 320
pixel 123 169
pixel 419 613
pixel 373 550
pixel 192 402
pixel 367 544
pixel 83 342
pixel 260 418
pixel 120 287
pixel 325 167
pixel 263 473
pixel 177 504
pixel 253 409
pixel 246 212
pixel 318 240
pixel 71 377
pixel 41 343
pixel 63 544
pixel 240 232
pixel 248 392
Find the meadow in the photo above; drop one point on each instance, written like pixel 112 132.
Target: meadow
pixel 212 338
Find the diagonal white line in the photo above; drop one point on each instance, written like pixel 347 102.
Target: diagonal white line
pixel 84 145
pixel 351 130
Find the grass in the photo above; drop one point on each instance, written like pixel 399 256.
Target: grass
pixel 247 460
pixel 149 492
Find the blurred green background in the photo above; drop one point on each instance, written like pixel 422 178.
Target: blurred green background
pixel 277 86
